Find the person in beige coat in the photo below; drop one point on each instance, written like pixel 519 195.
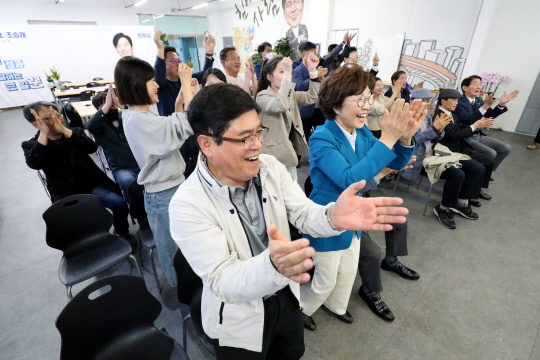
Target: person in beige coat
pixel 279 110
pixel 376 114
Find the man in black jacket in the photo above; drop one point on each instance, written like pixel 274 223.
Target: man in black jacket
pixel 62 154
pixel 456 132
pixel 106 127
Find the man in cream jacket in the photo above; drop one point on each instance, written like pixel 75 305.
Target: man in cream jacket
pixel 230 220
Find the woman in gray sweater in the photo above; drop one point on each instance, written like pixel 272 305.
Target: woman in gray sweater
pixel 155 141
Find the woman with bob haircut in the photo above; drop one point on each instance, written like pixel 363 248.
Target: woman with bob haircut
pixel 342 152
pixel 155 141
pixel 279 110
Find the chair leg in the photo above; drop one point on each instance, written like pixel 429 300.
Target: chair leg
pixel 420 182
pixel 160 289
pixel 184 332
pixel 397 180
pixel 69 294
pixel 131 257
pixel 428 197
pixel 140 250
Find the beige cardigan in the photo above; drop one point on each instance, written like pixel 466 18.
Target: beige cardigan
pixel 280 113
pixel 376 114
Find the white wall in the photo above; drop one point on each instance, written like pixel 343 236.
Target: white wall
pixel 505 42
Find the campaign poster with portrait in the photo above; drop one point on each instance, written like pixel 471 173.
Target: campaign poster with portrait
pixel 272 20
pixel 79 53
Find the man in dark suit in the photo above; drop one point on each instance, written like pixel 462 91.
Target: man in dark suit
pixel 350 56
pixel 471 108
pixel 456 132
pixel 298 33
pixel 311 116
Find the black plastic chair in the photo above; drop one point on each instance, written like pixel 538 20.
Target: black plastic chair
pixel 93 84
pixel 113 318
pixel 190 293
pixel 78 225
pixel 97 78
pixel 87 95
pixel 144 236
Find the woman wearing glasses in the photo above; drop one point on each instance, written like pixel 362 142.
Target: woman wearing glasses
pixel 342 152
pixel 155 141
pixel 279 110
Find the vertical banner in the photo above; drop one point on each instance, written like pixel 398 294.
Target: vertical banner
pixel 79 53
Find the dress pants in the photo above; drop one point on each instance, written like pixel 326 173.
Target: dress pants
pixel 483 159
pixel 369 265
pixel 462 183
pixel 283 334
pixel 311 123
pixel 487 145
pixel 332 280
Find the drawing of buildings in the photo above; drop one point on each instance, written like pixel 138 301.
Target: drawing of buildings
pixel 438 68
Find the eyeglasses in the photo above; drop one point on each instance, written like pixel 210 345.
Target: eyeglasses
pixel 362 100
pixel 174 61
pixel 249 141
pixel 48 118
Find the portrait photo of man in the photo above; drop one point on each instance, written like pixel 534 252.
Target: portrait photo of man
pixel 298 33
pixel 123 44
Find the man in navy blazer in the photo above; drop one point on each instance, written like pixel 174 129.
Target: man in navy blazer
pixel 471 108
pixel 311 117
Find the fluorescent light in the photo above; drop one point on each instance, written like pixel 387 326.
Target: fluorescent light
pixel 140 2
pixel 200 6
pixel 146 20
pixel 158 16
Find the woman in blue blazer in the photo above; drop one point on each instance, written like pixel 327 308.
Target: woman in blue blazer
pixel 342 152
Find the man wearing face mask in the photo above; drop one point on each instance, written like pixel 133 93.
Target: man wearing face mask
pixel 106 127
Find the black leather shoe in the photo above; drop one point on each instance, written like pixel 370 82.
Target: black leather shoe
pixel 401 270
pixel 446 217
pixel 377 305
pixel 491 181
pixel 309 323
pixel 466 212
pixel 484 196
pixel 475 202
pixel 346 318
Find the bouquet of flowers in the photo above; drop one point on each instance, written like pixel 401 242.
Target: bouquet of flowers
pixel 490 80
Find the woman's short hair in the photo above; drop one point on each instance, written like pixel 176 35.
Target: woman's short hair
pixel 118 36
pixel 396 75
pixel 214 108
pixel 130 77
pixel 347 81
pixel 213 71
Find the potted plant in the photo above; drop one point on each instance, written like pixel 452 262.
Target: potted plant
pixel 53 75
pixel 283 47
pixel 256 58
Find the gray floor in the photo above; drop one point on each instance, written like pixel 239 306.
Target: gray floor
pixel 478 296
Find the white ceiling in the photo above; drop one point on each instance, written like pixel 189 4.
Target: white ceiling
pixel 164 5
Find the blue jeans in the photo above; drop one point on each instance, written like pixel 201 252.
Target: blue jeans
pixel 124 178
pixel 157 209
pixel 117 204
